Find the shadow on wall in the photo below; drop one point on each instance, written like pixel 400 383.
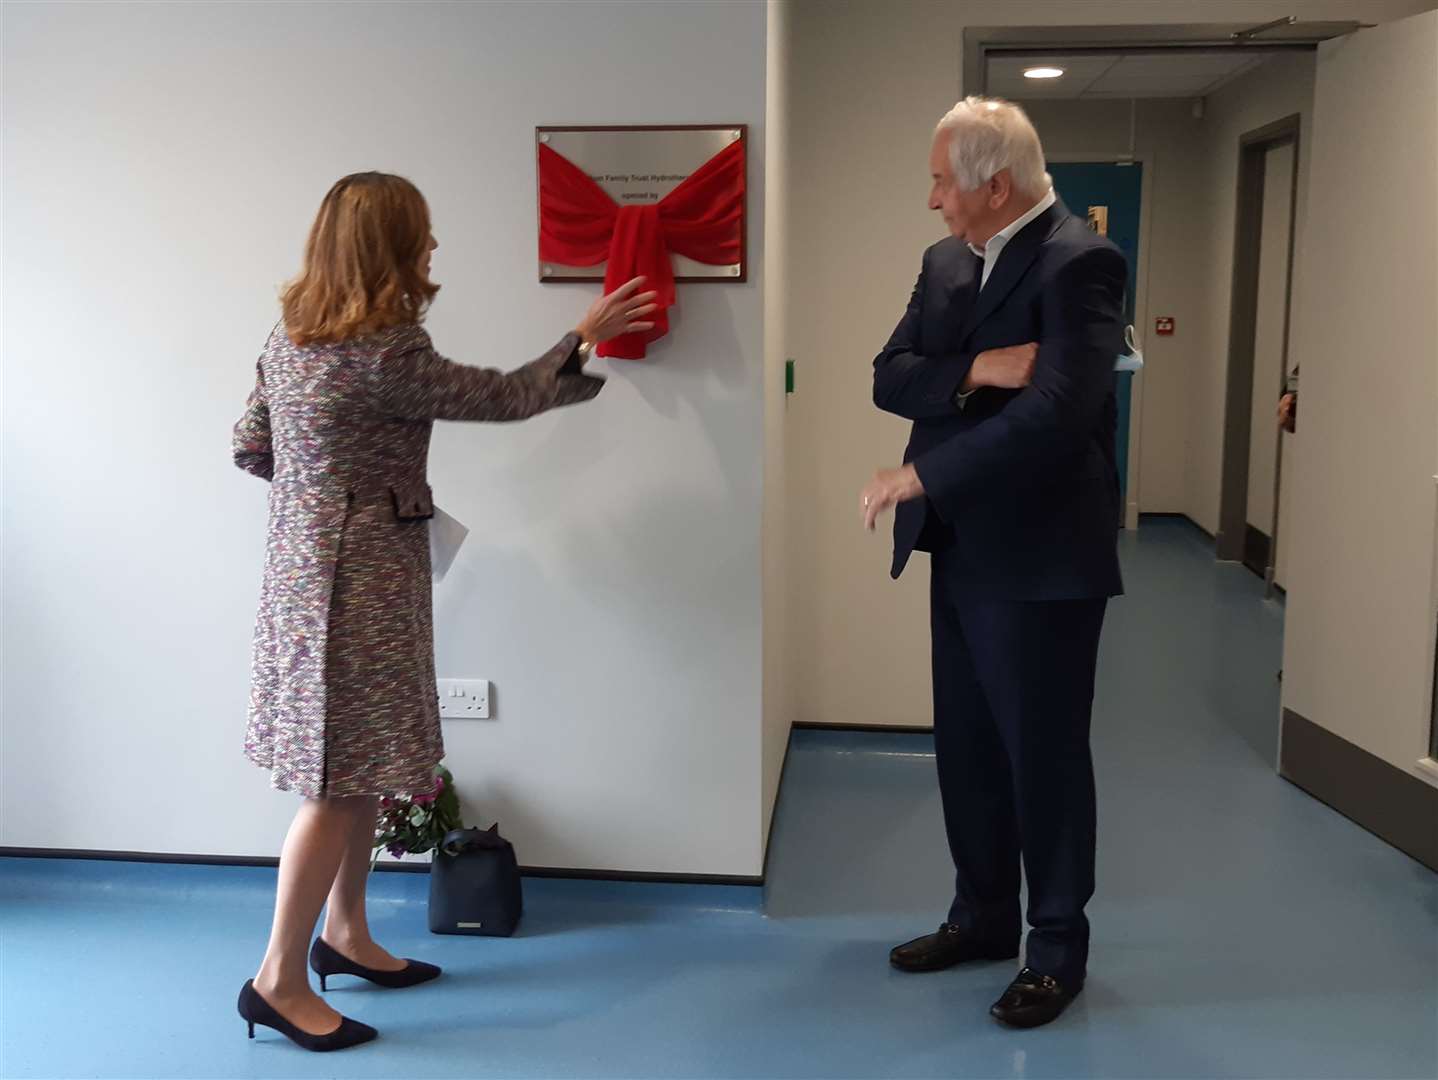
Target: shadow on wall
pixel 597 530
pixel 721 362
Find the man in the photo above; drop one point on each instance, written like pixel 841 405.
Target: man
pixel 1004 361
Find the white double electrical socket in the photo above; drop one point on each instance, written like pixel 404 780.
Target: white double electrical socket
pixel 464 699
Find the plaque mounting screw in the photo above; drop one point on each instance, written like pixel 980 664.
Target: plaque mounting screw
pixel 547 271
pixel 544 138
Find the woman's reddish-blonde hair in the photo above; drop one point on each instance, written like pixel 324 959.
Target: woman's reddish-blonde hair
pixel 362 262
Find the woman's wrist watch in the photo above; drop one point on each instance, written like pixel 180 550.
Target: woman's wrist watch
pixel 586 349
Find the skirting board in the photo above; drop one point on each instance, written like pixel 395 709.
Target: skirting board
pixel 1395 806
pixel 391 867
pixel 420 867
pixel 877 729
pixel 1173 516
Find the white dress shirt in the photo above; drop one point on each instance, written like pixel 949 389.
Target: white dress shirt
pixel 991 251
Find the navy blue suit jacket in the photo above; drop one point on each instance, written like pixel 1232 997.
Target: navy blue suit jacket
pixel 1021 486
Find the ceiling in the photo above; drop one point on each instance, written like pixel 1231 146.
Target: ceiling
pixel 1174 73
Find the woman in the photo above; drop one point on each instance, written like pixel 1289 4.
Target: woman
pixel 343 706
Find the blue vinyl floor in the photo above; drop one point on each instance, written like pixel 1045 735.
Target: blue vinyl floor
pixel 1240 928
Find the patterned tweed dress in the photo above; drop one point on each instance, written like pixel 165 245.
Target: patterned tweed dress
pixel 343 698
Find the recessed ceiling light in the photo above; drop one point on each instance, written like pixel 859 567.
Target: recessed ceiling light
pixel 1043 73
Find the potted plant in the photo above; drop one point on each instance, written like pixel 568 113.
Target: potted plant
pixel 417 824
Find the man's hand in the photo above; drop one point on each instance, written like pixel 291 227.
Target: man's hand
pixel 1288 412
pixel 889 488
pixel 1009 368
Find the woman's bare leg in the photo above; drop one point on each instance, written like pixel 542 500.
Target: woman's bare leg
pixel 320 836
pixel 346 922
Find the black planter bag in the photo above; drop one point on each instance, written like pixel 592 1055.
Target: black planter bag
pixel 474 885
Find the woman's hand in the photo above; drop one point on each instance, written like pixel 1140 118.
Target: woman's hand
pixel 621 312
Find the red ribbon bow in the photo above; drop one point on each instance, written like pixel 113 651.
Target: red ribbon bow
pixel 701 219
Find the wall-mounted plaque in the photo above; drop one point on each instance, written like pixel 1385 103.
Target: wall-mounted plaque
pixel 642 166
pixel 667 203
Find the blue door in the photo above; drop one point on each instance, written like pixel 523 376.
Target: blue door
pixel 1118 188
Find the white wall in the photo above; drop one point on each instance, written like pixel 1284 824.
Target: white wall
pixel 161 165
pixel 778 700
pixel 1358 654
pixel 869 80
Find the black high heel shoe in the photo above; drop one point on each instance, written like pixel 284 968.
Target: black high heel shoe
pixel 327 961
pixel 256 1010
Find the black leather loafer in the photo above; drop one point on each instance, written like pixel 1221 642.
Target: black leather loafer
pixel 945 948
pixel 1033 1000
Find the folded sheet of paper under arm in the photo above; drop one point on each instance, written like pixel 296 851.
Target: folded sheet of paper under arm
pixel 445 537
pixel 1133 359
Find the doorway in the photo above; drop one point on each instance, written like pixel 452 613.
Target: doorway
pixel 1120 91
pixel 1364 597
pixel 1250 519
pixel 1110 195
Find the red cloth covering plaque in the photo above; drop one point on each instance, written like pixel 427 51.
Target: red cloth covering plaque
pixel 702 219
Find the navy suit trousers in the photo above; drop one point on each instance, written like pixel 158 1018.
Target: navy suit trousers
pixel 1013 695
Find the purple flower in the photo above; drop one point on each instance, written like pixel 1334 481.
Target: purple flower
pixel 396 850
pixel 438 784
pixel 386 801
pixel 424 800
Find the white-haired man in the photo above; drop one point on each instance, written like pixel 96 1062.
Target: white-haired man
pixel 1004 362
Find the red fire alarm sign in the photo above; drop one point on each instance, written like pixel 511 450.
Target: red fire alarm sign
pixel 1163 325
